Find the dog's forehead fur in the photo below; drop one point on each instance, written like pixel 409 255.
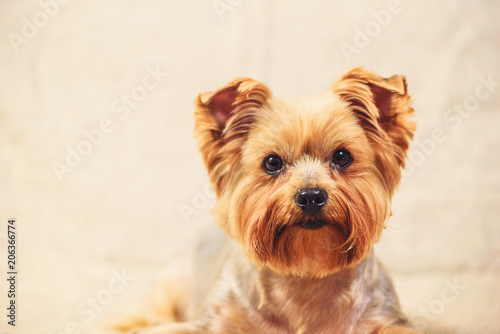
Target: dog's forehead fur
pixel 313 126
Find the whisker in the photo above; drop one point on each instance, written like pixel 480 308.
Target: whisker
pixel 389 226
pixel 366 215
pixel 359 210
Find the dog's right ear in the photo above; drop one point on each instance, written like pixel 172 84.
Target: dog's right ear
pixel 222 121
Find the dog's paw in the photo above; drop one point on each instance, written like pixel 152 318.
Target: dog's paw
pixel 398 330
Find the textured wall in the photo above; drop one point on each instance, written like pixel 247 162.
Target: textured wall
pixel 98 69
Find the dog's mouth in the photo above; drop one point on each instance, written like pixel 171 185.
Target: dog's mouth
pixel 312 224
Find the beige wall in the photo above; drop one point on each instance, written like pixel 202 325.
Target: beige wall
pixel 120 206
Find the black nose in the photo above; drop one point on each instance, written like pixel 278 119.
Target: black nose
pixel 311 200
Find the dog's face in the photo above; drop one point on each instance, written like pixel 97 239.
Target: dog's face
pixel 305 185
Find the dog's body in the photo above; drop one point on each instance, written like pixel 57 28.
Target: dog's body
pixel 304 189
pixel 217 290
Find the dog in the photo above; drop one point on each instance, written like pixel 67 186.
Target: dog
pixel 304 189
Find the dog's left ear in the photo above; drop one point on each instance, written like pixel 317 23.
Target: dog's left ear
pixel 382 106
pixel 222 121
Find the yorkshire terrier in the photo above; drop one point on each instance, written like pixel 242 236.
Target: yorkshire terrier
pixel 304 190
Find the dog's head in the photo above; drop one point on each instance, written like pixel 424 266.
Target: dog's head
pixel 305 185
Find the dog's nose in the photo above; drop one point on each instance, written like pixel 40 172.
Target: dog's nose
pixel 311 200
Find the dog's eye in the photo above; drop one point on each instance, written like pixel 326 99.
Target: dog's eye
pixel 273 164
pixel 341 158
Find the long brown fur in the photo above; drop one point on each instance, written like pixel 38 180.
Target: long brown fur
pixel 268 274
